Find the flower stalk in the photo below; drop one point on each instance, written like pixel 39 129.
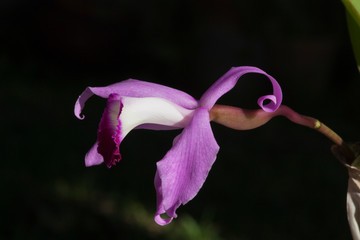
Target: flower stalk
pixel 243 119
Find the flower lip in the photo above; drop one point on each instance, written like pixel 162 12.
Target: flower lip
pixel 122 114
pixel 109 134
pixel 152 113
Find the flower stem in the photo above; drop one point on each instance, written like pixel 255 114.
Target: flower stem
pixel 309 122
pixel 318 126
pixel 243 119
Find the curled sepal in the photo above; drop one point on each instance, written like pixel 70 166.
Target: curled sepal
pixel 229 80
pixel 183 170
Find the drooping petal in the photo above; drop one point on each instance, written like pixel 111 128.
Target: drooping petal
pixel 93 157
pixel 122 114
pixel 229 80
pixel 159 203
pixel 183 170
pixel 135 88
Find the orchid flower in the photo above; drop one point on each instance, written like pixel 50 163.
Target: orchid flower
pixel 137 104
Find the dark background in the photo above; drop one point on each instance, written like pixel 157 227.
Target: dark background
pixel 279 181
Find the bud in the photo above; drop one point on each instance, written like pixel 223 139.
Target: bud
pixel 353 193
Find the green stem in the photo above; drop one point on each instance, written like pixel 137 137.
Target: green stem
pixel 309 122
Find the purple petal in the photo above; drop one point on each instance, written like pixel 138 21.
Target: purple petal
pixel 159 203
pixel 229 80
pixel 135 88
pixel 109 134
pixel 183 170
pixel 93 157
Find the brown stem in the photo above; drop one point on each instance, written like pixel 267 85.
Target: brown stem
pixel 242 119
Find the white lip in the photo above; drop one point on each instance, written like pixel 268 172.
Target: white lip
pixel 152 110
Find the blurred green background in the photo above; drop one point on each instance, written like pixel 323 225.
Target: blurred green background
pixel 279 181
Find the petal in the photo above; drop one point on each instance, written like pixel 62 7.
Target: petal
pixel 135 88
pixel 183 170
pixel 93 157
pixel 122 114
pixel 159 203
pixel 229 80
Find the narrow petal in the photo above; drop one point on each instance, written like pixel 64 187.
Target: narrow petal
pixel 135 88
pixel 93 157
pixel 183 170
pixel 229 80
pixel 159 203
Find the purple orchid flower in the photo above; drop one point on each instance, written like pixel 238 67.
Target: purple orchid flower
pixel 138 104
